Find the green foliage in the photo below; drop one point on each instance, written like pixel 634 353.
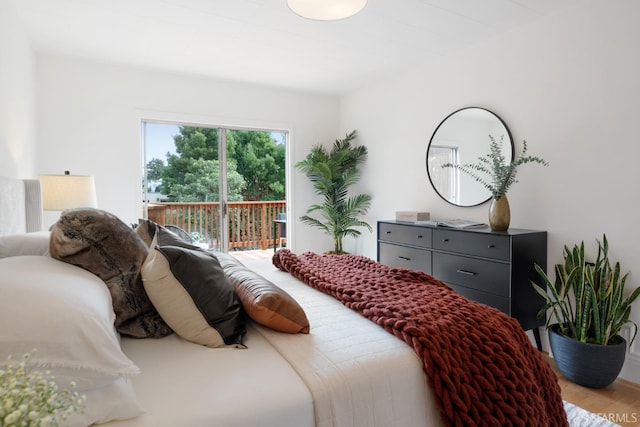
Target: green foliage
pixel 154 169
pixel 255 166
pixel 197 180
pixel 261 162
pixel 197 237
pixel 332 172
pixel 501 175
pixel 197 143
pixel 587 299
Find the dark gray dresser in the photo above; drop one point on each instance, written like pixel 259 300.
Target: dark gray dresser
pixel 494 268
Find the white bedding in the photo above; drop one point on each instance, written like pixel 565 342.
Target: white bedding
pixel 185 384
pixel 358 373
pixel 347 372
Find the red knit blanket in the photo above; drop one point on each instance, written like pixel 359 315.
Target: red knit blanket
pixel 479 363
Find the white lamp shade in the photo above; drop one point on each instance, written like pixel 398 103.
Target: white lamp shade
pixel 326 10
pixel 60 192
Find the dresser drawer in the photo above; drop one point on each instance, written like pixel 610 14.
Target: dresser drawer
pixel 405 234
pixel 493 268
pixel 486 276
pixel 405 257
pixel 469 243
pixel 495 301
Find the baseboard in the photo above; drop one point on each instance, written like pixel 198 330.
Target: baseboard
pixel 631 372
pixel 631 369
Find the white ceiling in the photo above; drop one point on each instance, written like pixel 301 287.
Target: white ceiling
pixel 262 41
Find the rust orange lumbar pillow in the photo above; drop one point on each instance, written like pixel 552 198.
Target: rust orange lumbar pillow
pixel 262 300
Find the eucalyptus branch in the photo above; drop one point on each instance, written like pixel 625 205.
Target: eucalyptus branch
pixel 502 175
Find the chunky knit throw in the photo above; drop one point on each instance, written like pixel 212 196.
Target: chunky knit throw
pixel 479 363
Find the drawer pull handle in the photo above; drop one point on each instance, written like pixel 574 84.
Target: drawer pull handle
pixel 419 236
pixel 388 232
pixel 445 240
pixel 466 272
pixel 404 258
pixel 491 246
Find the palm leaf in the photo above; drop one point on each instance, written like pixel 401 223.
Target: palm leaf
pixel 332 172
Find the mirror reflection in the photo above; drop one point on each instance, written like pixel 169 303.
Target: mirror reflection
pixel 462 137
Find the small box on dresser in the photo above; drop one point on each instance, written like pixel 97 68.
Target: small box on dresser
pixel 493 268
pixel 412 216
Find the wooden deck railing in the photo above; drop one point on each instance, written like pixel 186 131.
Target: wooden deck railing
pixel 250 223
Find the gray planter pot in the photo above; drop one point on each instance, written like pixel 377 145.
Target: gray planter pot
pixel 590 365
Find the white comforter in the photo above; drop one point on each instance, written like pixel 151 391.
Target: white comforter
pixel 187 385
pixel 347 372
pixel 358 373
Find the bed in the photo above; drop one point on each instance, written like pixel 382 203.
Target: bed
pixel 343 370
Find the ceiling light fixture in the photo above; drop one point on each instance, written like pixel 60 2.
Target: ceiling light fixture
pixel 326 10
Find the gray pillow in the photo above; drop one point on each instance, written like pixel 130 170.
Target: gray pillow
pixel 190 290
pixel 148 229
pixel 101 243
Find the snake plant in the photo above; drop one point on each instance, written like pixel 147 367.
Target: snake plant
pixel 588 298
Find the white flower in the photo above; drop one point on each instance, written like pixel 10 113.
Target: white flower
pixel 12 417
pixel 30 398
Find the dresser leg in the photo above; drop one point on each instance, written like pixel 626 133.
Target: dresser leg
pixel 536 335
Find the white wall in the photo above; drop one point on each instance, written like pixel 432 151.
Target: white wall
pixel 89 123
pixel 17 111
pixel 568 85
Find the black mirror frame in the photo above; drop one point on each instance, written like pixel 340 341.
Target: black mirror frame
pixel 431 141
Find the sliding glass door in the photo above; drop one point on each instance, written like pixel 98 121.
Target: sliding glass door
pixel 219 187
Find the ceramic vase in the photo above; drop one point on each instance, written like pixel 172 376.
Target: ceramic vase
pixel 499 214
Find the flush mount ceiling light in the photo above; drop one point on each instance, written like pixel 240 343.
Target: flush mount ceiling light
pixel 326 10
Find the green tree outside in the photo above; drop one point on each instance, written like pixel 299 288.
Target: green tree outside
pixel 154 169
pixel 261 162
pixel 255 166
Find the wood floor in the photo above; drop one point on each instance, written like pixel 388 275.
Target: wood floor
pixel 619 402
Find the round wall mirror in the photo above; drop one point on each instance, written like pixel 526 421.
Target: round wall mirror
pixel 461 138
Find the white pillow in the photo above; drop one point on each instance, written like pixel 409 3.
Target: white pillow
pixel 36 243
pixel 114 401
pixel 65 313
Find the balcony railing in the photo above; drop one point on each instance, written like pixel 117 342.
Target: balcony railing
pixel 250 224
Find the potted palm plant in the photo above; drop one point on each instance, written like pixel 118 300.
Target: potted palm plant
pixel 332 172
pixel 588 301
pixel 497 175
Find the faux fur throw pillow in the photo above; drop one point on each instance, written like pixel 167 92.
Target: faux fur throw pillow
pixel 104 245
